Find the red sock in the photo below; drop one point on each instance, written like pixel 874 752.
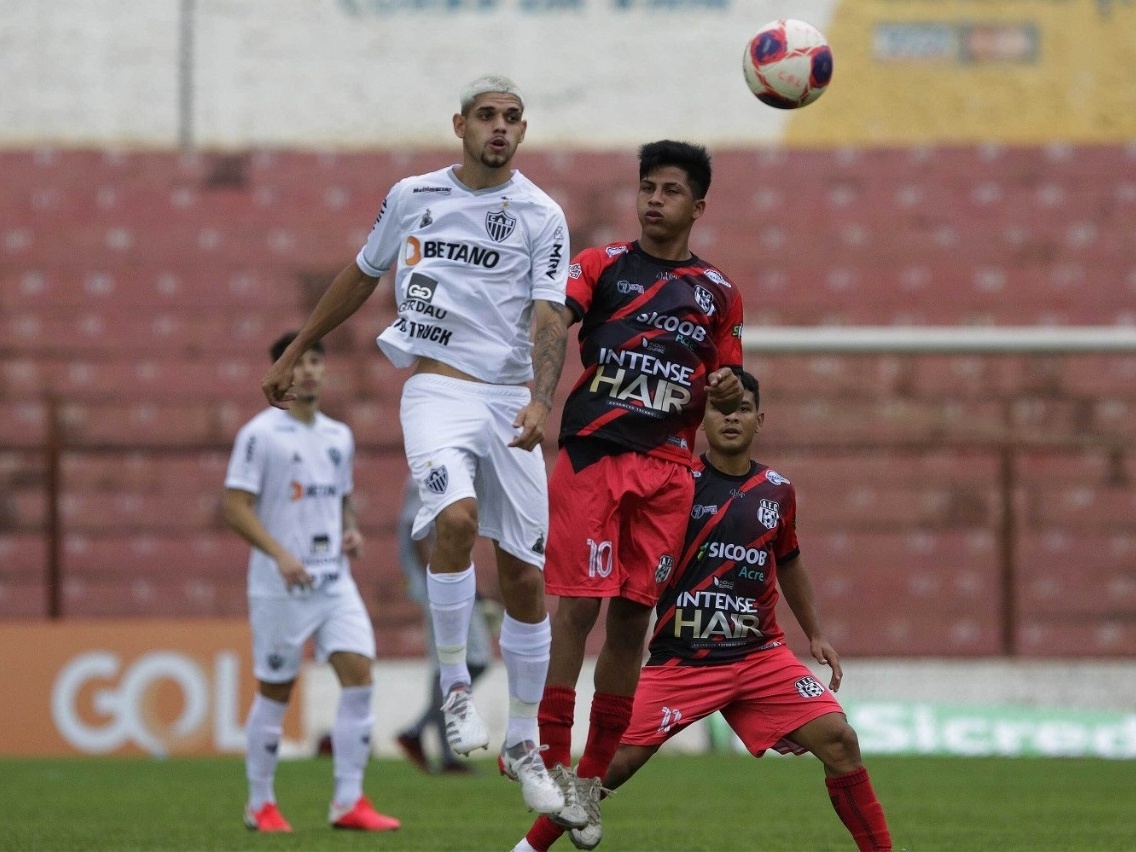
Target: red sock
pixel 557 711
pixel 610 717
pixel 543 834
pixel 856 804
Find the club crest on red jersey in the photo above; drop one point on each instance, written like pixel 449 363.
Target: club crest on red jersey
pixel 499 224
pixel 705 299
pixel 666 565
pixel 768 513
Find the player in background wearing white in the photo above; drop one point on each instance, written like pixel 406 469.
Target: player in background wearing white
pixel 288 494
pixel 414 555
pixel 481 256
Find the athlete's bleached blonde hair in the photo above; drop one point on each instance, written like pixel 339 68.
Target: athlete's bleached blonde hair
pixel 489 83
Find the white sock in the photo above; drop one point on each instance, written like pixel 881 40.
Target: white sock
pixel 451 608
pixel 524 650
pixel 263 728
pixel 351 743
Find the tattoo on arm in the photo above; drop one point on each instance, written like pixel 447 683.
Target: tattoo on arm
pixel 549 344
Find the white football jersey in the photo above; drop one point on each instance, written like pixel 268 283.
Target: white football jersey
pixel 300 474
pixel 470 264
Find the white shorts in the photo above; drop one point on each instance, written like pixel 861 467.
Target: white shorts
pixel 281 627
pixel 457 436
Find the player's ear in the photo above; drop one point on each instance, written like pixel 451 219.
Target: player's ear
pixel 459 125
pixel 699 208
pixel 760 421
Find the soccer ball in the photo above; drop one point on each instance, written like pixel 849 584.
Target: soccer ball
pixel 787 64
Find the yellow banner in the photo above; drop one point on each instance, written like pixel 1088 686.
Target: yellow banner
pixel 971 71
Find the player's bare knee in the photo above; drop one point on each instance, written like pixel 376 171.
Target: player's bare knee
pixel 842 750
pixel 351 669
pixel 456 527
pixel 577 615
pixel 279 692
pixel 627 623
pixel 627 761
pixel 522 590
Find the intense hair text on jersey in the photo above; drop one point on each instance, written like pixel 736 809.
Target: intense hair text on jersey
pixel 725 616
pixel 632 376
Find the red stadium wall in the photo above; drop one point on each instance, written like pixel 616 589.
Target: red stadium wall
pixel 961 506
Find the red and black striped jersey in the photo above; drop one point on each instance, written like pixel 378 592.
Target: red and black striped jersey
pixel 719 604
pixel 651 331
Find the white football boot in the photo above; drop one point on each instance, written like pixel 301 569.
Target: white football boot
pixel 465 729
pixel 523 763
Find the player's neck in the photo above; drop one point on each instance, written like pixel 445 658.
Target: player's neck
pixel 733 464
pixel 304 411
pixel 474 175
pixel 674 250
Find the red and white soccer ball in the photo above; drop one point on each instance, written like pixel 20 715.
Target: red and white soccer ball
pixel 788 64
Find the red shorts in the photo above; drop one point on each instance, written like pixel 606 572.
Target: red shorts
pixel 763 698
pixel 616 528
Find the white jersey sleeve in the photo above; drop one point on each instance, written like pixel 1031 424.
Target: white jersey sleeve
pixel 248 459
pixel 346 467
pixel 550 264
pixel 470 264
pixel 380 251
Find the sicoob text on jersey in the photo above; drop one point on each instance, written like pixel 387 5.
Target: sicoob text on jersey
pixel 664 341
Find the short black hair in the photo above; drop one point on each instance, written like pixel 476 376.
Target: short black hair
pixel 749 383
pixel 692 159
pixel 282 342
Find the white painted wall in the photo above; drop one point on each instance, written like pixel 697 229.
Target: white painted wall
pixel 349 73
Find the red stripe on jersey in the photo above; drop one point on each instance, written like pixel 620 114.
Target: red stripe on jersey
pixel 694 544
pixel 720 602
pixel 651 332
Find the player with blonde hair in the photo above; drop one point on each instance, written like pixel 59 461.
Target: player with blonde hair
pixel 481 256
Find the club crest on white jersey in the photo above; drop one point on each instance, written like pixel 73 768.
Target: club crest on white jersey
pixel 499 224
pixel 485 256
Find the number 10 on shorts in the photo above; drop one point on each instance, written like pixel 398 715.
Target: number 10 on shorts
pixel 599 558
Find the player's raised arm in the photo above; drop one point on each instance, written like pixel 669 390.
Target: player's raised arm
pixel 345 295
pixel 724 390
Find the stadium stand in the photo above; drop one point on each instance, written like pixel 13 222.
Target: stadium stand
pixel 138 290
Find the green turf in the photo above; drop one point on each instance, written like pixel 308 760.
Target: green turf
pixel 712 802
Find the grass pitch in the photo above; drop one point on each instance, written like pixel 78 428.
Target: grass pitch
pixel 713 802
